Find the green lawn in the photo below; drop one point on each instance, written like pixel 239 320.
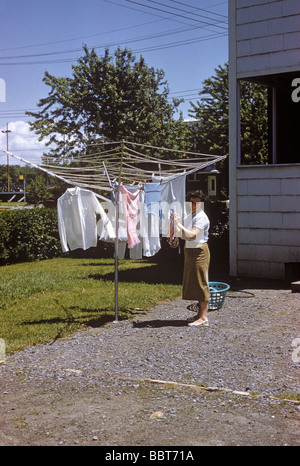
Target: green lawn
pixel 46 300
pixel 12 204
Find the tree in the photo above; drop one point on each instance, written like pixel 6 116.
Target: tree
pixel 37 191
pixel 254 123
pixel 212 120
pixel 108 97
pixel 28 173
pixel 211 114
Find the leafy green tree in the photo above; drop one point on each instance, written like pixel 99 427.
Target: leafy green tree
pixel 112 98
pixel 37 191
pixel 28 173
pixel 254 123
pixel 210 131
pixel 211 114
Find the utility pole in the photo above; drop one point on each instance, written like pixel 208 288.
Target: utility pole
pixel 7 131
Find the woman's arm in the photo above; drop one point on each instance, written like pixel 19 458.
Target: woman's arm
pixel 189 234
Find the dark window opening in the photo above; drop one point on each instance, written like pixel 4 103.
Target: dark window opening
pixel 270 119
pixel 254 123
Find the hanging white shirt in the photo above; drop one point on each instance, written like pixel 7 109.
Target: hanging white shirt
pixel 77 220
pixel 104 234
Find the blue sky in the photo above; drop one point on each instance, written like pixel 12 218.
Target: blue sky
pixel 186 38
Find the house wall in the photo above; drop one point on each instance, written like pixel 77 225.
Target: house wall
pixel 264 39
pixel 268 219
pixel 267 36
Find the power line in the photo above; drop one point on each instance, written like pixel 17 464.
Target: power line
pixel 169 12
pixel 142 50
pixel 202 9
pixel 182 43
pixel 22 111
pixel 187 90
pixel 112 31
pixel 173 17
pixel 80 38
pixel 128 41
pixel 189 94
pixel 143 11
pixel 190 13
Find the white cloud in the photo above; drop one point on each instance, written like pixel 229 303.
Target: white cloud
pixel 22 142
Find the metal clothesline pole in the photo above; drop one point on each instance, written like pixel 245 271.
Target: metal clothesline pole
pixel 117 210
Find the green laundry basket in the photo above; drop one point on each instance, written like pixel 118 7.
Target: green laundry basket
pixel 217 295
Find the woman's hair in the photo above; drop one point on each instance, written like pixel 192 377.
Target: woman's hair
pixel 199 194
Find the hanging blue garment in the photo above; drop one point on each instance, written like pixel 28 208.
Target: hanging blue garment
pixel 152 197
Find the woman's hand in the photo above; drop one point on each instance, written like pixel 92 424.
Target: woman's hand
pixel 176 219
pixel 189 234
pixel 177 224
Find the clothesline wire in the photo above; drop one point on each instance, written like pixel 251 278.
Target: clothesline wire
pixel 143 155
pixel 104 167
pixel 148 146
pixel 130 169
pixel 136 156
pixel 166 161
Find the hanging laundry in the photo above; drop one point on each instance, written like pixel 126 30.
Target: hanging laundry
pixel 151 238
pixel 149 228
pixel 152 197
pixel 113 195
pixel 131 210
pixel 136 253
pixel 122 227
pixel 77 211
pixel 121 250
pixel 173 193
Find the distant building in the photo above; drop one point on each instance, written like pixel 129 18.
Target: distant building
pixel 264 47
pixel 206 179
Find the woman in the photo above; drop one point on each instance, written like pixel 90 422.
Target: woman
pixel 196 257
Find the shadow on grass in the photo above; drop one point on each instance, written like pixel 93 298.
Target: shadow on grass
pixel 95 322
pixel 69 322
pixel 170 274
pixel 97 264
pixel 104 319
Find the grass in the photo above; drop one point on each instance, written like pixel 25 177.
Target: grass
pixel 46 300
pixel 12 204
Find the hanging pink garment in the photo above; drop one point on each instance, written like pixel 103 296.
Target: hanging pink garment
pixel 131 210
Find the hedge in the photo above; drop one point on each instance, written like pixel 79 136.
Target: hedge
pixel 28 234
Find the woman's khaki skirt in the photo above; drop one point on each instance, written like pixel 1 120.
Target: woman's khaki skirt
pixel 195 275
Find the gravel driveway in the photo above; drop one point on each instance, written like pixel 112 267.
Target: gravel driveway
pixel 154 381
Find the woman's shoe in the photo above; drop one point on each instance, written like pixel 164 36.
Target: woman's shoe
pixel 204 323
